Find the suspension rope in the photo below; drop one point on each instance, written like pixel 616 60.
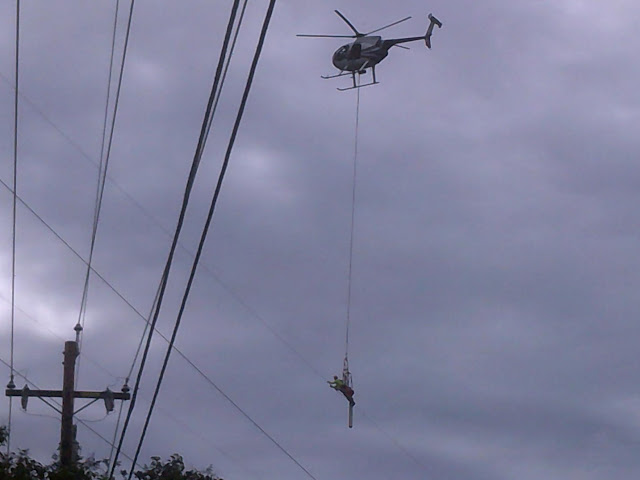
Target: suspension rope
pixel 103 165
pixel 346 372
pixel 11 383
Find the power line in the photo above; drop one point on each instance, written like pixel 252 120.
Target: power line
pixel 215 106
pixel 226 67
pixel 203 237
pixel 98 200
pixel 190 180
pixel 105 156
pixel 11 383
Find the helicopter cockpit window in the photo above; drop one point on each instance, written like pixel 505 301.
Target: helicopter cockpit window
pixel 342 51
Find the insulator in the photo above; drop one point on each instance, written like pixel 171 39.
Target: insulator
pixel 25 397
pixel 78 329
pixel 109 402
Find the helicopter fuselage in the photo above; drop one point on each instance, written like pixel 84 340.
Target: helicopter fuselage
pixel 367 50
pixel 364 52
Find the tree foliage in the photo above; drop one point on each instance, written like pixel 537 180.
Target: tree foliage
pixel 19 466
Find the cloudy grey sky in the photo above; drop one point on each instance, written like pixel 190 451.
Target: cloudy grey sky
pixel 496 257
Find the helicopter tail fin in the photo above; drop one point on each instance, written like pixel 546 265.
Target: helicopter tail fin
pixel 427 37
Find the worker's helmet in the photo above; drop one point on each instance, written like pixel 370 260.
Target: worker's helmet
pixel 335 377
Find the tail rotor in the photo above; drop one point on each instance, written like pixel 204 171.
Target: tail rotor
pixel 427 37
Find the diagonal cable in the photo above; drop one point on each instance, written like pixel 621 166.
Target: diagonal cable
pixel 190 180
pixel 201 246
pixel 11 383
pixel 104 159
pixel 353 216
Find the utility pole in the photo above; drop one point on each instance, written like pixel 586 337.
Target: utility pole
pixel 68 394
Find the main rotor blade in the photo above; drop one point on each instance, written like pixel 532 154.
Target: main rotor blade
pixel 387 26
pixel 358 34
pixel 327 36
pixel 401 46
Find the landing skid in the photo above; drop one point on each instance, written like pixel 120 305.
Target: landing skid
pixel 358 85
pixel 341 74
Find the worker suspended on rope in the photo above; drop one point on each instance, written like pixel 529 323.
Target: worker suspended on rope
pixel 342 387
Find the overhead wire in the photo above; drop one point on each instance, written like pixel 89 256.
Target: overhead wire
pixel 133 363
pixel 148 322
pixel 227 63
pixel 203 237
pixel 216 93
pixel 104 162
pixel 215 106
pixel 101 172
pixel 11 383
pixel 187 193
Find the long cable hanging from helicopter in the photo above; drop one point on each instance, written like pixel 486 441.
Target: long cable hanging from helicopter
pixel 346 373
pixel 366 51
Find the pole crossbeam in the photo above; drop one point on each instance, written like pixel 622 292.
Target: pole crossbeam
pixel 68 394
pixel 58 394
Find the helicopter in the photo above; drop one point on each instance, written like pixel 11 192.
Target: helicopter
pixel 368 50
